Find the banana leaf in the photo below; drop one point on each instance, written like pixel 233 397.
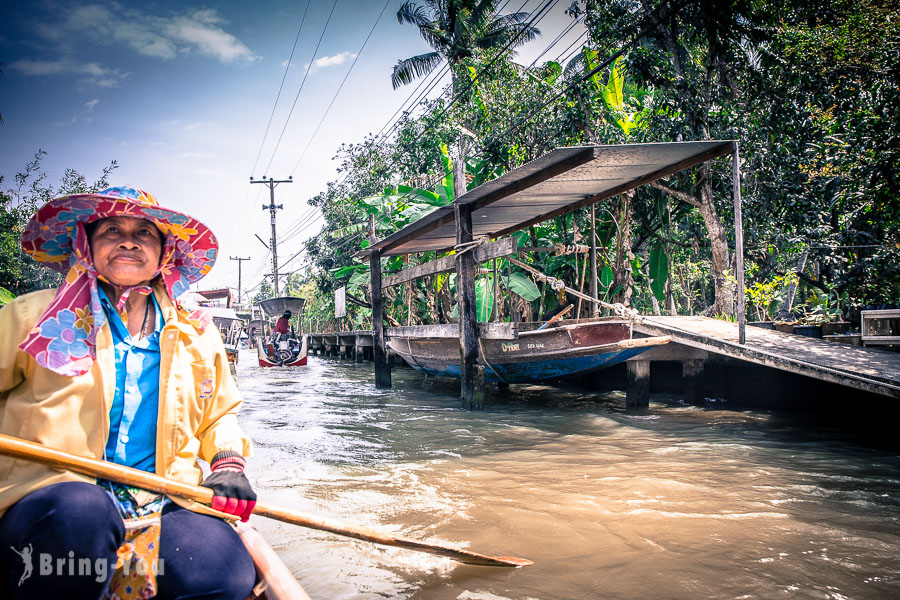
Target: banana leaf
pixel 484 298
pixel 522 285
pixel 659 271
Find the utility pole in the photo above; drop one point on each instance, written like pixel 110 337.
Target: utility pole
pixel 272 208
pixel 240 262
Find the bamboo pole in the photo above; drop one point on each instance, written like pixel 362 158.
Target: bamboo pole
pixel 23 449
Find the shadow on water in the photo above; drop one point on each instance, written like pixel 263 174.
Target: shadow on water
pixel 671 502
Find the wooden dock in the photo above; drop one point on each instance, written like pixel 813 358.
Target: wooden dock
pixel 868 369
pixel 694 339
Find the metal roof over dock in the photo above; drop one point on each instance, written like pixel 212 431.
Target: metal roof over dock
pixel 557 183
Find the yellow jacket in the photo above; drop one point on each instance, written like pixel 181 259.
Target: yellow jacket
pixel 198 400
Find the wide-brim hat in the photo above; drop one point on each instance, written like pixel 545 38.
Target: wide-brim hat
pixel 50 234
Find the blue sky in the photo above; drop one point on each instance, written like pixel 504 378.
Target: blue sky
pixel 180 93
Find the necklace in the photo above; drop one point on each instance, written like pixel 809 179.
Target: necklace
pixel 146 318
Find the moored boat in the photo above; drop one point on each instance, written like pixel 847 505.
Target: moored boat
pixel 523 352
pixel 230 326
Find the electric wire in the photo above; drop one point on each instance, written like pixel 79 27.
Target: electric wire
pixel 535 18
pixel 302 83
pixel 340 87
pixel 287 68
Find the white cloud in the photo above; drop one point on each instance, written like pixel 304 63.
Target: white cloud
pixel 200 31
pixel 91 104
pixel 193 31
pixel 330 61
pixel 93 74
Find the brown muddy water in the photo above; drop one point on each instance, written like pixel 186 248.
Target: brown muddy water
pixel 672 502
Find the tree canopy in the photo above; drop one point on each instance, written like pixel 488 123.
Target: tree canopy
pixel 807 88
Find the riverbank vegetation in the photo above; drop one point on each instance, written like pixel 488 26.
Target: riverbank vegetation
pixel 810 90
pixel 30 190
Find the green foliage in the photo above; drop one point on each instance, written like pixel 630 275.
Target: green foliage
pixel 19 274
pixel 6 296
pixel 659 271
pixel 457 30
pixel 265 292
pixel 522 285
pixel 767 296
pixel 484 297
pixel 810 89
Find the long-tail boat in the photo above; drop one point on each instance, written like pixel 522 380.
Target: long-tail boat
pixel 523 352
pixel 288 352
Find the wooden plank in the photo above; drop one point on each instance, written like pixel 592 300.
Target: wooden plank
pixel 498 249
pixel 379 354
pixel 579 158
pixel 853 366
pixel 704 156
pixel 465 285
pixel 492 331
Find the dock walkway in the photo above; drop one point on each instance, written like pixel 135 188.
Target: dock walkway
pixel 694 338
pixel 859 367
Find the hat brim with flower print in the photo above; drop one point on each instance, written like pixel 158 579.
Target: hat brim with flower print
pixel 49 237
pixel 63 340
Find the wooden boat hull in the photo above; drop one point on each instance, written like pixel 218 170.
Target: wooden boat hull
pixel 267 357
pixel 531 355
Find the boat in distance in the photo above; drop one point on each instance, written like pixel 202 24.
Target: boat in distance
pixel 523 352
pixel 282 350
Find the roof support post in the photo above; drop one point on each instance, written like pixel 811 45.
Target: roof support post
pixel 595 307
pixel 468 319
pixel 739 245
pixel 379 356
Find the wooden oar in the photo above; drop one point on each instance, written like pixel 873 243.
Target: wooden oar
pixel 106 470
pixel 557 317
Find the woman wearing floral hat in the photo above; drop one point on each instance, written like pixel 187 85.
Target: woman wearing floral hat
pixel 117 365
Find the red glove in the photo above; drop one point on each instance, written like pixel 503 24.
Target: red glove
pixel 232 493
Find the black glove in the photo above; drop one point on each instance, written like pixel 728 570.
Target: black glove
pixel 232 493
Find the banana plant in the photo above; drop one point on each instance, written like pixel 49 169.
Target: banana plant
pixel 613 93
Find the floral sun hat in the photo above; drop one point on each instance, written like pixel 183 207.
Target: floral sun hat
pixel 64 337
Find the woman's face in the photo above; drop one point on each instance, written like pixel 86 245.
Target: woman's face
pixel 126 250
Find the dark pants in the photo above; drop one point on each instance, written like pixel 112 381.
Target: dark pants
pixel 67 528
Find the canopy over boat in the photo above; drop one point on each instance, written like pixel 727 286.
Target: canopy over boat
pixel 220 312
pixel 274 307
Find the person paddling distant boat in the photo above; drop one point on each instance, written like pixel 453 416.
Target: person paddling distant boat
pixel 282 326
pixel 117 364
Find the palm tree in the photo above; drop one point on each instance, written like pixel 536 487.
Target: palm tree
pixel 456 30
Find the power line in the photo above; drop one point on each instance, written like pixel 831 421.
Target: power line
pixel 340 87
pixel 535 18
pixel 305 75
pixel 280 87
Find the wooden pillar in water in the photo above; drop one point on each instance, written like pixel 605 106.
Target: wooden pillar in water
pixel 379 356
pixel 358 349
pixel 595 307
pixel 739 245
pixel 468 319
pixel 637 394
pixel 692 381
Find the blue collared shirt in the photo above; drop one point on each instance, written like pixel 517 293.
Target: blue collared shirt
pixel 134 411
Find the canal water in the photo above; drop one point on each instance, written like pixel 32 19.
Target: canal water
pixel 672 502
